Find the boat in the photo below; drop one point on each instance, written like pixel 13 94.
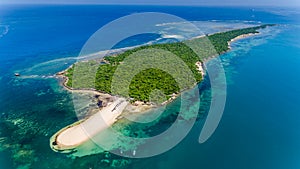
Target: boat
pixel 17 74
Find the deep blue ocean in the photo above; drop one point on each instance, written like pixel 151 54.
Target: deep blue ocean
pixel 260 124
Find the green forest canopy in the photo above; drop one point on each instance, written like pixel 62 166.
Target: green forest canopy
pixel 91 74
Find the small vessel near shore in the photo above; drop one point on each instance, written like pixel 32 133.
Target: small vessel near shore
pixel 17 74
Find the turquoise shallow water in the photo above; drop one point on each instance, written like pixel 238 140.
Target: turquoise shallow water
pixel 259 128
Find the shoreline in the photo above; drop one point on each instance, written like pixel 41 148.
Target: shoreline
pixel 83 130
pixel 61 141
pixel 244 36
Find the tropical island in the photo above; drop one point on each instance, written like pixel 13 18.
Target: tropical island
pixel 97 76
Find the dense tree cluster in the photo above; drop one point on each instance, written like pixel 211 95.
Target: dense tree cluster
pixel 99 76
pixel 220 40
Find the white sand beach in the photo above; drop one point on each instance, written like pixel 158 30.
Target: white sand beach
pixel 240 37
pixel 72 136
